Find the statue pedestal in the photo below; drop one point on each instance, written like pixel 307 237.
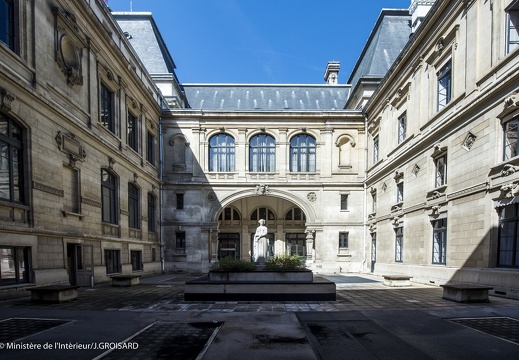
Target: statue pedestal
pixel 296 285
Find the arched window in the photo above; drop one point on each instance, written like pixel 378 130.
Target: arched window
pixel 11 161
pixel 262 213
pixel 229 213
pixel 262 153
pixel 221 153
pixel 133 207
pixel 302 153
pixel 108 197
pixel 295 214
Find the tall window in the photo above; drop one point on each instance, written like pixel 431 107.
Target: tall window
pixel 302 153
pixel 374 202
pixel 133 207
pixel 402 127
pixel 150 148
pixel 152 213
pixel 375 149
pixel 441 171
pixel 262 154
pixel 107 108
pixel 7 23
pixel 180 240
pixel 344 202
pixel 71 193
pixel 513 27
pixel 343 240
pixel 108 197
pixel 16 265
pixel 221 153
pixel 400 192
pixel 11 161
pixel 508 244
pixel 399 244
pixel 180 201
pixel 133 131
pixel 296 243
pixel 511 129
pixel 444 85
pixel 113 261
pixel 439 241
pixel 136 260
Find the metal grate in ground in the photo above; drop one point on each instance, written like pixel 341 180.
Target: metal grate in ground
pixel 502 327
pixel 18 328
pixel 167 340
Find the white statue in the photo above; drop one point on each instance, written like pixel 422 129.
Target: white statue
pixel 259 250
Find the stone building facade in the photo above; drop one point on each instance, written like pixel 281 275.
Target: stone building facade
pixel 80 134
pixel 442 131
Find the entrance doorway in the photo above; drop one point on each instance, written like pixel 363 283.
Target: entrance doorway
pixel 80 260
pixel 229 245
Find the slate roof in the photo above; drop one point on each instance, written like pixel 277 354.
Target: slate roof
pixel 386 41
pixel 247 97
pixel 145 38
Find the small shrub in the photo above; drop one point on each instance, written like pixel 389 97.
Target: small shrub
pixel 231 264
pixel 285 262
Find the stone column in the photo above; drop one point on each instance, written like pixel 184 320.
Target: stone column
pixel 310 245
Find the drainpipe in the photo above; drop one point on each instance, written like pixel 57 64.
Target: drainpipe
pixel 161 160
pixel 365 207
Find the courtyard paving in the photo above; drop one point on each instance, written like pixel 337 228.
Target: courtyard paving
pixel 367 321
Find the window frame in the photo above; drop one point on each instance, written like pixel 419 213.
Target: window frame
pixel 444 75
pixel 109 194
pixel 180 198
pixel 400 192
pixel 262 155
pixel 152 213
pixel 344 239
pixel 440 170
pixel 439 241
pixel 132 127
pixel 222 153
pixel 303 154
pixel 510 149
pixel 512 8
pixel 402 127
pixel 112 259
pixel 376 145
pixel 399 244
pixel 21 261
pixel 136 260
pixel 14 142
pixel 344 202
pixel 11 21
pixel 150 148
pixel 133 206
pixel 180 240
pixel 107 104
pixel 510 221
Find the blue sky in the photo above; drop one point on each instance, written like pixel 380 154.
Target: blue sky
pixel 262 41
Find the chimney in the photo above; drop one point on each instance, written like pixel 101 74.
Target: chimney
pixel 418 10
pixel 331 75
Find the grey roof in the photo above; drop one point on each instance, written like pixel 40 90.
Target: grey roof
pixel 145 38
pixel 246 97
pixel 388 37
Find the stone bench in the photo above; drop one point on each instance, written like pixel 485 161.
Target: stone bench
pixel 125 280
pixel 397 280
pixel 53 293
pixel 466 293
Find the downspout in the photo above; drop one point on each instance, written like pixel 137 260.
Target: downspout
pixel 365 207
pixel 162 261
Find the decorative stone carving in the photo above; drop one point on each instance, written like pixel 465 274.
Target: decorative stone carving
pixel 111 162
pixel 470 139
pixel 262 189
pixel 71 146
pixel 311 196
pixel 211 196
pixel 69 42
pixel 416 170
pixel 508 190
pixel 6 99
pixel 509 169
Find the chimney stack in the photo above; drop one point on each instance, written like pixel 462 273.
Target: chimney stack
pixel 331 75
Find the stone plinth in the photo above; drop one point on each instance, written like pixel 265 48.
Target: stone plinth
pixel 466 293
pixel 299 285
